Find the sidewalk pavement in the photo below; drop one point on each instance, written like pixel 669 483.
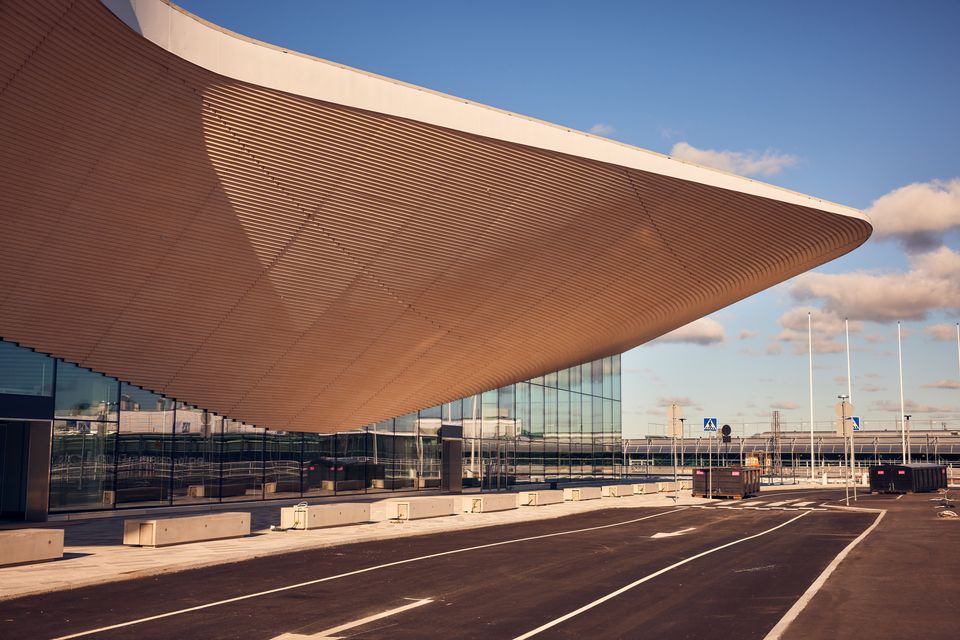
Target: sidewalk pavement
pixel 93 552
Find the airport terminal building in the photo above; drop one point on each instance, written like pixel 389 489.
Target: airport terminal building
pixel 237 272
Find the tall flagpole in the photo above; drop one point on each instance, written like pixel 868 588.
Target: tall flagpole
pixel 853 455
pixel 903 413
pixel 810 375
pixel 958 346
pixel 846 327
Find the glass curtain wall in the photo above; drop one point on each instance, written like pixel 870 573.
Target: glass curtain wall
pixel 117 445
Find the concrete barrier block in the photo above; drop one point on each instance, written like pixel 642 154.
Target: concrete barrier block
pixel 646 488
pixel 169 531
pixel 487 503
pixel 686 484
pixel 540 498
pixel 582 493
pixel 319 516
pixel 342 485
pixel 26 546
pixel 616 490
pixel 418 508
pixel 664 487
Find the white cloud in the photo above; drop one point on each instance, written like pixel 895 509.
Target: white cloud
pixel 704 331
pixel 931 284
pixel 746 334
pixel 942 332
pixel 745 163
pixel 668 133
pixel 871 388
pixel 785 406
pixel 919 214
pixel 666 401
pixel 911 407
pixel 943 384
pixel 828 330
pixel 601 129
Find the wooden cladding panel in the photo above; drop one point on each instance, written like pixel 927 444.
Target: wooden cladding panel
pixel 301 265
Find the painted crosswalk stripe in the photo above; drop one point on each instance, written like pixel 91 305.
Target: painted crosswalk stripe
pixel 781 503
pixel 805 504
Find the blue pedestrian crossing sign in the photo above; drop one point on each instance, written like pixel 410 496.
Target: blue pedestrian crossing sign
pixel 856 422
pixel 709 424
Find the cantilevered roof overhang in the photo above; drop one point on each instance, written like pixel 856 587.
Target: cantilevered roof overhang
pixel 305 246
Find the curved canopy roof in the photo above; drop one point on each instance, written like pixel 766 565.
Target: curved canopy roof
pixel 300 245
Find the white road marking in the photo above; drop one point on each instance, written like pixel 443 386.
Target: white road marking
pixel 653 575
pixel 675 533
pixel 329 633
pixel 781 503
pixel 777 632
pixel 805 504
pixel 899 496
pixel 358 572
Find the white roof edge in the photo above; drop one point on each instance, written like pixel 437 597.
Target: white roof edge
pixel 241 58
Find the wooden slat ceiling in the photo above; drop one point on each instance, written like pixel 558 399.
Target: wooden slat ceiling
pixel 302 265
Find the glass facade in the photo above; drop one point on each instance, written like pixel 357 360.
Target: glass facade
pixel 116 445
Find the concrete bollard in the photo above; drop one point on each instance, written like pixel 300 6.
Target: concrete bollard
pixel 490 502
pixel 163 532
pixel 577 494
pixel 27 546
pixel 616 490
pixel 324 515
pixel 540 498
pixel 419 508
pixel 646 488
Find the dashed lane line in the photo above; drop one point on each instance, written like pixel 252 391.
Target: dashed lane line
pixel 647 578
pixel 308 583
pixel 777 632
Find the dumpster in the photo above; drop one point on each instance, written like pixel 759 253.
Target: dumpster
pixel 907 478
pixel 726 482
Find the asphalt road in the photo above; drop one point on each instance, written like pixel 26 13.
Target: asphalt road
pixel 725 573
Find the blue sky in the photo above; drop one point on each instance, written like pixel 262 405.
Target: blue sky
pixel 845 101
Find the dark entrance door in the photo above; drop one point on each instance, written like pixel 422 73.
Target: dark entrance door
pixel 24 469
pixel 14 445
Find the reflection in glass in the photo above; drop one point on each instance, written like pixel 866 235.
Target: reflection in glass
pixel 281 466
pixel 196 459
pixel 319 464
pixel 144 448
pixel 25 372
pixel 82 465
pixel 241 461
pixel 119 445
pixel 81 393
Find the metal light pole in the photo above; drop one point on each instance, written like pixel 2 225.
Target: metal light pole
pixel 853 454
pixel 810 376
pixel 676 483
pixel 903 420
pixel 843 432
